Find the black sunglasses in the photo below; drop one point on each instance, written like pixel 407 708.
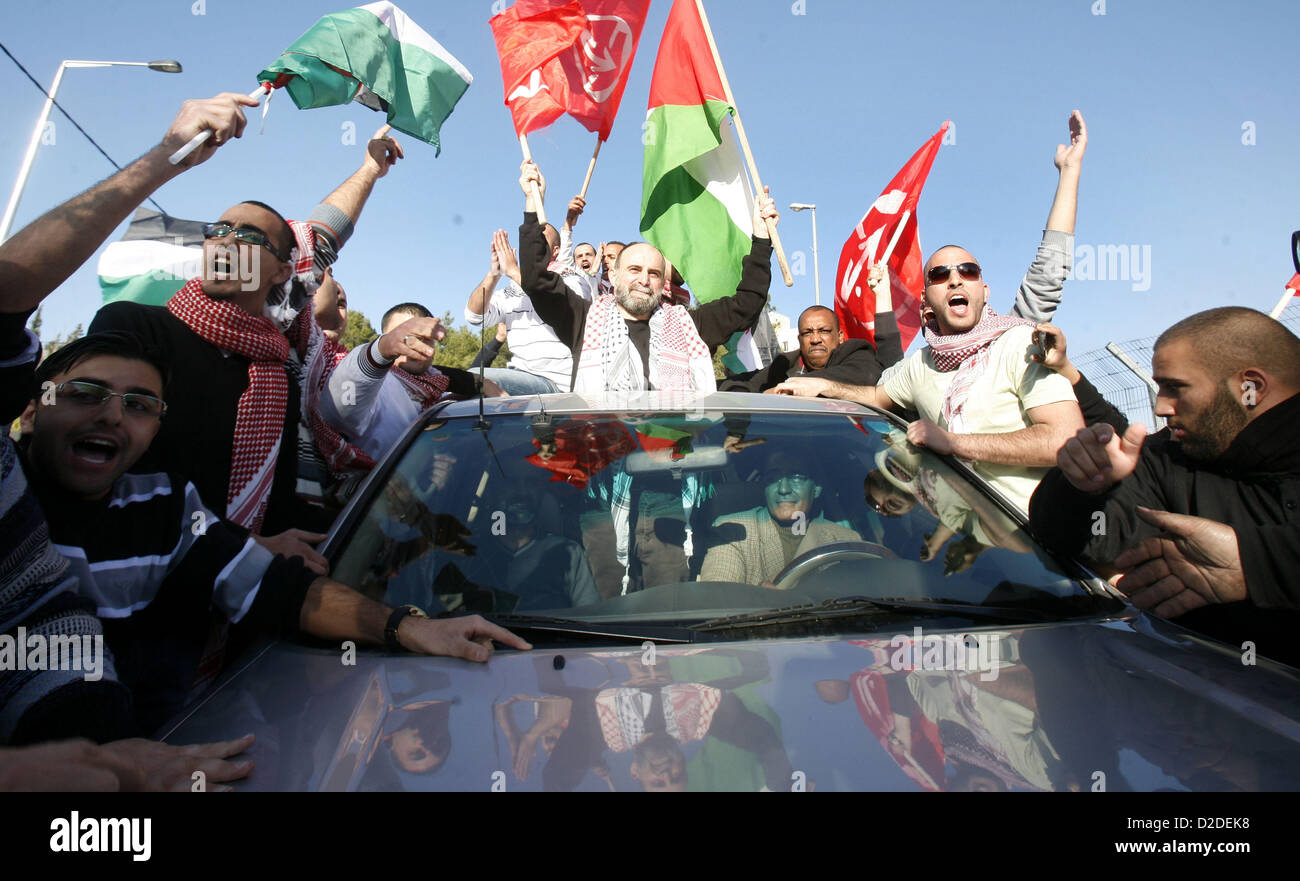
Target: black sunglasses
pixel 250 236
pixel 940 274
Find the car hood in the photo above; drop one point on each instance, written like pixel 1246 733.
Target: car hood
pixel 1116 705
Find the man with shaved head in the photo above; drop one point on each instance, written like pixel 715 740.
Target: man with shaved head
pixel 1204 516
pixel 629 339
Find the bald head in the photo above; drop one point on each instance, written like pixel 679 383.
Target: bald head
pixel 638 279
pixel 552 238
pixel 956 297
pixel 1231 339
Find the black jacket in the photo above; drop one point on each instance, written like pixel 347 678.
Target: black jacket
pixel 566 312
pixel 854 362
pixel 1254 488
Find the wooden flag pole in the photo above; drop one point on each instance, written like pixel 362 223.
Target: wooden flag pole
pixel 537 191
pixel 1283 303
pixel 591 167
pixel 744 143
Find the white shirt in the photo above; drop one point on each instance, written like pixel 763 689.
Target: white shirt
pixel 534 347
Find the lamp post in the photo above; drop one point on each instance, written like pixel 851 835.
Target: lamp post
pixel 817 279
pixel 167 66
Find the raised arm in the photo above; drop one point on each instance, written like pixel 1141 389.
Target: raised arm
pixel 481 296
pixel 721 318
pixel 554 301
pixel 41 256
pixel 1040 289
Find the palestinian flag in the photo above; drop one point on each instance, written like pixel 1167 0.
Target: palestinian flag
pixel 377 56
pixel 155 258
pixel 696 205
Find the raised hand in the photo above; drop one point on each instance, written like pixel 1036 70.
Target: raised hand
pixel 1072 156
pixel 576 206
pixel 382 152
pixel 220 113
pixel 1097 458
pixel 765 210
pixel 506 255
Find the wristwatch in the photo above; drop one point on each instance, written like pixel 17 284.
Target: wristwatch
pixel 395 621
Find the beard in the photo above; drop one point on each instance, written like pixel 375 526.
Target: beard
pixel 1216 429
pixel 637 303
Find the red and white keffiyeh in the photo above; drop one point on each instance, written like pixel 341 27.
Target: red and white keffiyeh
pixel 259 419
pixel 968 354
pixel 679 359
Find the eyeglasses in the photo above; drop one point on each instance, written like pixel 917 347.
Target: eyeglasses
pixel 90 394
pixel 249 236
pixel 940 274
pixel 774 475
pixel 887 509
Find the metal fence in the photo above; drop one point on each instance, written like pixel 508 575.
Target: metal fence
pixel 1119 383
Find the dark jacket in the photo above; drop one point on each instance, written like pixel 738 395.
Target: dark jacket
pixel 1254 488
pixel 854 362
pixel 566 312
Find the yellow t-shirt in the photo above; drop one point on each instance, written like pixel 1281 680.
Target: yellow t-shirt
pixel 1010 385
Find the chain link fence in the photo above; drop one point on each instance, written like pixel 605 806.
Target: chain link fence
pixel 1121 384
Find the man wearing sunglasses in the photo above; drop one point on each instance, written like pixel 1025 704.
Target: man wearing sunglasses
pixel 241 343
pixel 979 393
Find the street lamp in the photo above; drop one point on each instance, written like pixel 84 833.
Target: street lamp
pixel 817 279
pixel 166 66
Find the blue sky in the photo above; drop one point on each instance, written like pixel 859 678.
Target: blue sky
pixel 834 101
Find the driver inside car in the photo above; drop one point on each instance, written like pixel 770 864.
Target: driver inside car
pixel 764 540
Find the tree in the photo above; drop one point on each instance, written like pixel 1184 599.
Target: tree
pixel 359 330
pixel 460 346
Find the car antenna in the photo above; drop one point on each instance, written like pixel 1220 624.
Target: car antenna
pixel 482 424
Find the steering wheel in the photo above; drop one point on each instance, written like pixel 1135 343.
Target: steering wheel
pixel 819 557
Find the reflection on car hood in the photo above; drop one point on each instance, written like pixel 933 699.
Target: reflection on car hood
pixel 1134 704
pixel 652 402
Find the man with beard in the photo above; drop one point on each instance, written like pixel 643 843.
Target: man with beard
pixel 1203 516
pixel 630 340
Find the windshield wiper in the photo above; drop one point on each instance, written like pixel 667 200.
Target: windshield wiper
pixel 572 627
pixel 859 606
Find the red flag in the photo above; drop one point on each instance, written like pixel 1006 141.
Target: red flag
pixel 1294 284
pixel 573 58
pixel 855 303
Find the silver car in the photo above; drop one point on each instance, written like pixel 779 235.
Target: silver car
pixel 735 592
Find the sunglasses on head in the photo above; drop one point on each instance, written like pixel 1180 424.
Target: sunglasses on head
pixel 940 274
pixel 220 230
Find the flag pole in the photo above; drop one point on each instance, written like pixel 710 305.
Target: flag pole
pixel 744 143
pixel 537 191
pixel 898 234
pixel 195 142
pixel 591 167
pixel 1283 303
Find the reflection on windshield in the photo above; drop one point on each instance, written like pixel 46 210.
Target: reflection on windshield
pixel 589 514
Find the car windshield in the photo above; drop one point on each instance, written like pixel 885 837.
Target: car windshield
pixel 688 516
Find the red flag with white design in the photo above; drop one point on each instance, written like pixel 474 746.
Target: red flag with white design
pixel 586 78
pixel 888 231
pixel 530 37
pixel 1294 284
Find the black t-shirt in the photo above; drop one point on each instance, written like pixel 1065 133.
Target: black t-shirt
pixel 639 333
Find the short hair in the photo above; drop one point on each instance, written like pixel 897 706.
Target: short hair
pixel 290 239
pixel 415 310
pixel 620 244
pixel 835 317
pixel 115 343
pixel 1232 338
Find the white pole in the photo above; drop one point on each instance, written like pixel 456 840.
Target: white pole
pixel 1283 303
pixel 817 276
pixel 19 185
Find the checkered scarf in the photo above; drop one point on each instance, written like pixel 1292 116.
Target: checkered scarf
pixel 968 354
pixel 608 361
pixel 625 713
pixel 259 419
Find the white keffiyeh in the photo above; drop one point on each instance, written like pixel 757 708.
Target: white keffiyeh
pixel 608 361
